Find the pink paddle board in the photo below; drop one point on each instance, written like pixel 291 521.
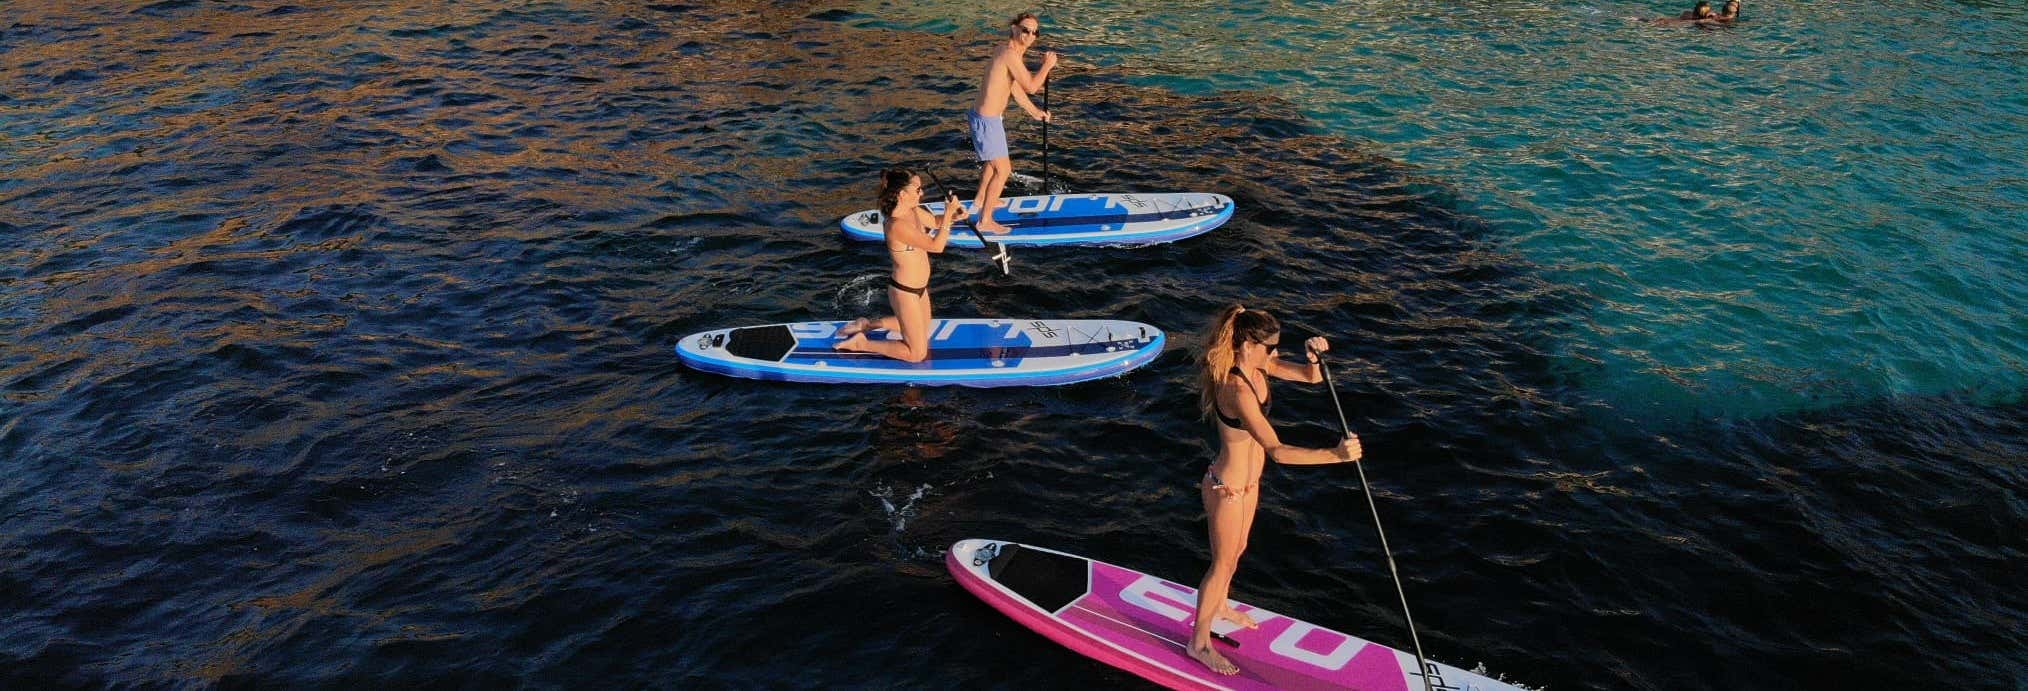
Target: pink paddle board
pixel 1141 624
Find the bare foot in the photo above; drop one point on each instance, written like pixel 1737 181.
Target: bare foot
pixel 857 325
pixel 1213 660
pixel 986 224
pixel 1227 613
pixel 856 344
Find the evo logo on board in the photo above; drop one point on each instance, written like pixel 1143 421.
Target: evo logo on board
pixel 1172 602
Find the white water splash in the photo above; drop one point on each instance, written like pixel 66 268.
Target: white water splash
pixel 858 295
pixel 898 517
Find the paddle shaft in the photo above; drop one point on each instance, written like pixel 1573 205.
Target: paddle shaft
pixel 999 249
pixel 1045 135
pixel 1422 663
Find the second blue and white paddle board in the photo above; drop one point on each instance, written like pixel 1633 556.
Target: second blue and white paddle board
pixel 962 352
pixel 1081 219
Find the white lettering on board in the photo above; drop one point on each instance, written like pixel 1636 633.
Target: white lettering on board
pixel 1138 593
pixel 1180 605
pixel 813 330
pixel 944 330
pixel 1285 646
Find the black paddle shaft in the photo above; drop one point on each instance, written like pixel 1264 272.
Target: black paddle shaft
pixel 998 249
pixel 1421 661
pixel 1045 135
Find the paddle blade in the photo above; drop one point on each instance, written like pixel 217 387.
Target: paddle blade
pixel 1000 256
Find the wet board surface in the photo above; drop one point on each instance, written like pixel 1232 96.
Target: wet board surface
pixel 1080 219
pixel 1141 624
pixel 962 352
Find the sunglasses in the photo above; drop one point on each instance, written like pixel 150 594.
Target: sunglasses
pixel 1032 32
pixel 1274 347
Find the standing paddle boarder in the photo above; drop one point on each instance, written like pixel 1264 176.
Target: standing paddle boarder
pixel 912 235
pixel 1239 357
pixel 1006 75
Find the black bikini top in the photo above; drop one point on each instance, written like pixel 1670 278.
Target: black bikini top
pixel 1233 422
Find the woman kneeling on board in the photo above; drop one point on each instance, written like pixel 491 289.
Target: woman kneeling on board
pixel 912 235
pixel 1239 356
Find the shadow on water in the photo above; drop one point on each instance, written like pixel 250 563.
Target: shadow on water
pixel 342 357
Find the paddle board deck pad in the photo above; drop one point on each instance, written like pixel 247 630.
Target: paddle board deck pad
pixel 1080 219
pixel 1141 624
pixel 962 352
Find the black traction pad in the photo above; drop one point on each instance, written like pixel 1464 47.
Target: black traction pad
pixel 1049 580
pixel 770 343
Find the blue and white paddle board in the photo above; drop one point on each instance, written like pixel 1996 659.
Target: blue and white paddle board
pixel 963 352
pixel 1081 219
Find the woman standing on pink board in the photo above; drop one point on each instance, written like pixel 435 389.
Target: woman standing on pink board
pixel 1239 356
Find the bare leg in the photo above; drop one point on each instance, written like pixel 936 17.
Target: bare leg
pixel 985 183
pixel 1225 518
pixel 991 180
pixel 911 319
pixel 1249 506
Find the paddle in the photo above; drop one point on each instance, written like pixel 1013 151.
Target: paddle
pixel 1422 663
pixel 998 249
pixel 1045 135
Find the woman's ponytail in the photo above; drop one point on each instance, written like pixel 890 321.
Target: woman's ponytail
pixel 1234 325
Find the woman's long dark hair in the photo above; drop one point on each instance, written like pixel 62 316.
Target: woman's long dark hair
pixel 892 181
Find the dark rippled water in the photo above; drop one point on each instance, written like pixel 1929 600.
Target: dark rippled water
pixel 338 353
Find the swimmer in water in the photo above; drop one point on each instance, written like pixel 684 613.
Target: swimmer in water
pixel 1697 14
pixel 1728 15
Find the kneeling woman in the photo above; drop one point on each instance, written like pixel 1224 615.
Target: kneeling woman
pixel 1239 357
pixel 912 235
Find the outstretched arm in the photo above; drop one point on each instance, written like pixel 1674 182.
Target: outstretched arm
pixel 1257 425
pixel 1310 373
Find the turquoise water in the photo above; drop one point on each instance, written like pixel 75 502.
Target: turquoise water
pixel 1821 205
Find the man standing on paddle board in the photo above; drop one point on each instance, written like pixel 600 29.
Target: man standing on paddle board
pixel 1006 76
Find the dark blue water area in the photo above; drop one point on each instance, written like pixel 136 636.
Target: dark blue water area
pixel 340 355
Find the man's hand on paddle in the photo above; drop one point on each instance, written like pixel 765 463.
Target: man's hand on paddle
pixel 1048 60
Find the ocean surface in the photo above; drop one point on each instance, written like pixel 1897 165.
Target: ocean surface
pixel 336 339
